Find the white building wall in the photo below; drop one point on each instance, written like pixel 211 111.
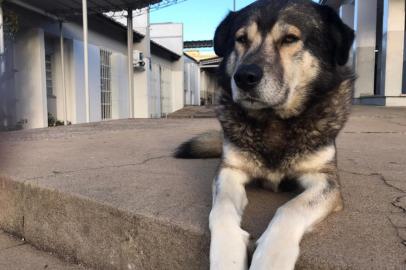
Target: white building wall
pixel 58 86
pixel 141 83
pixel 177 85
pixel 169 35
pixel 30 85
pixel 176 82
pixel 94 83
pixel 191 82
pixel 31 97
pixel 394 33
pixel 119 84
pixel 365 42
pixel 74 31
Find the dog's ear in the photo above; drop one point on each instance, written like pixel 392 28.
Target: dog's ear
pixel 342 35
pixel 344 38
pixel 223 36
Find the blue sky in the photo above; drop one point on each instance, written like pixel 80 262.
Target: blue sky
pixel 200 17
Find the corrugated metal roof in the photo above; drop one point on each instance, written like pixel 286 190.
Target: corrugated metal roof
pixel 72 7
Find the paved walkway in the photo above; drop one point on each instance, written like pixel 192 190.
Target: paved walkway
pixel 16 254
pixel 111 196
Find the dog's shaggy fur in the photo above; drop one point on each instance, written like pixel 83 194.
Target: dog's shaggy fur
pixel 286 94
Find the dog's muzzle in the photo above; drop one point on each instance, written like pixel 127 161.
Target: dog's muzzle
pixel 248 77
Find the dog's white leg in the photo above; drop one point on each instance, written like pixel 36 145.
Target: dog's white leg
pixel 278 247
pixel 228 248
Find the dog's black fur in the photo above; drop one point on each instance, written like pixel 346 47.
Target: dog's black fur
pixel 273 139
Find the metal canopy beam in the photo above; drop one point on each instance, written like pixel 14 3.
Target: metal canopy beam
pixel 65 8
pixel 198 44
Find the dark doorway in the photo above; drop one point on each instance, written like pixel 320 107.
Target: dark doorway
pixel 378 48
pixel 404 60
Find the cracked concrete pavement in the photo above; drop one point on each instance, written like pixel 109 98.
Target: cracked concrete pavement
pixel 110 195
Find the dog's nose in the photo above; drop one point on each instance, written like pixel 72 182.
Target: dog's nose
pixel 248 76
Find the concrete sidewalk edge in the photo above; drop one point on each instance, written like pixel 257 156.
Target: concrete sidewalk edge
pixel 96 235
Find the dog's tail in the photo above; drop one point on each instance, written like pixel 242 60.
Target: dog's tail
pixel 206 145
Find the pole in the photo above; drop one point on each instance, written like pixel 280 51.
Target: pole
pixel 130 47
pixel 65 120
pixel 148 67
pixel 234 5
pixel 86 58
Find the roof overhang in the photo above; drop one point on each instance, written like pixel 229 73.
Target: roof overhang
pixel 65 8
pixel 164 52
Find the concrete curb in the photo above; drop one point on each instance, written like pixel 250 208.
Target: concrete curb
pixel 97 235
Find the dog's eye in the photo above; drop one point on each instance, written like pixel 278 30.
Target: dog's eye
pixel 243 39
pixel 289 39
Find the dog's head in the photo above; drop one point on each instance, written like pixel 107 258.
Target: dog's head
pixel 277 52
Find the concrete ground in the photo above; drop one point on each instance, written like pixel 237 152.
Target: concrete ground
pixel 110 195
pixel 16 254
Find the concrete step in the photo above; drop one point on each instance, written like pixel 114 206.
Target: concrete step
pixel 16 254
pixel 194 112
pixel 110 196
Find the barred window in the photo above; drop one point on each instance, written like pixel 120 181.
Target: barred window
pixel 48 75
pixel 105 76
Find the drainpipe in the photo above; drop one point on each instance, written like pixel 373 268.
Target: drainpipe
pixel 130 58
pixel 86 58
pixel 65 120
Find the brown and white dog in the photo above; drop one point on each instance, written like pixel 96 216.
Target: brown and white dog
pixel 286 94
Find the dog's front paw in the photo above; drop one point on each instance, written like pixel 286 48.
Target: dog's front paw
pixel 275 254
pixel 228 249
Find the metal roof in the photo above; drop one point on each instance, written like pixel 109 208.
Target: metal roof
pixel 198 44
pixel 211 61
pixel 74 7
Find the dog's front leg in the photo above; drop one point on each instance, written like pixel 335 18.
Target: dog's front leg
pixel 228 248
pixel 278 247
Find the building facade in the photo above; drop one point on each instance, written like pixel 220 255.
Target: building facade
pixel 201 86
pixel 379 51
pixel 35 94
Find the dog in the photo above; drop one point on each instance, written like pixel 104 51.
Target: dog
pixel 286 93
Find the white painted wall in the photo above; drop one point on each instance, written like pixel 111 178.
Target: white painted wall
pixel 58 87
pixel 119 84
pixel 209 86
pixel 176 80
pixel 74 31
pixel 78 83
pixel 365 42
pixel 393 46
pixel 191 82
pixel 177 85
pixel 30 85
pixel 169 35
pixel 31 99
